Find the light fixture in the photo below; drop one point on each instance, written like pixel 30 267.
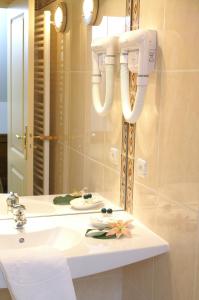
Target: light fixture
pixel 60 17
pixel 90 10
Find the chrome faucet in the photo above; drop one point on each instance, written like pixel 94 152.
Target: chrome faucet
pixel 12 200
pixel 19 215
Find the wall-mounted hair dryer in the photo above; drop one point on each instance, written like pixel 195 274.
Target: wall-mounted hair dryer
pixel 103 52
pixel 138 53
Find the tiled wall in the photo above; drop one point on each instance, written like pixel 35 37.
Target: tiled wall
pixel 167 199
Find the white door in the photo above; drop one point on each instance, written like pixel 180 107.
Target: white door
pixel 20 96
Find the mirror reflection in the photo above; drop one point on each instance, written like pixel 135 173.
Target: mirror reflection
pixel 56 152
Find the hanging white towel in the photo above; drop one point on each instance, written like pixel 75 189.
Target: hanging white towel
pixel 40 273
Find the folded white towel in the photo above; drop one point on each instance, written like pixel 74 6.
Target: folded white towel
pixel 40 273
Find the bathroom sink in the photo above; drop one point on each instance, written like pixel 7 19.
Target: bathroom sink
pixel 61 238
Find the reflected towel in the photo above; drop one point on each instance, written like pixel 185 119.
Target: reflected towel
pixel 64 200
pixel 37 274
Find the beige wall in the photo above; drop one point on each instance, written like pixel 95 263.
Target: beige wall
pixel 167 200
pixel 81 158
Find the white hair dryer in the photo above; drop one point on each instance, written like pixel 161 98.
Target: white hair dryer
pixel 104 48
pixel 138 53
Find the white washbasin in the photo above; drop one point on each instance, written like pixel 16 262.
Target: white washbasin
pixel 61 238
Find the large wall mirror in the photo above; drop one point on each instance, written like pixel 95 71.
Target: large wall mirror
pixel 52 141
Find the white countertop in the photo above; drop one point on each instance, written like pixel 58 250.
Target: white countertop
pixel 89 255
pixel 43 206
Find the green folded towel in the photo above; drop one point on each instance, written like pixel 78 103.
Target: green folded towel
pixel 99 234
pixel 64 200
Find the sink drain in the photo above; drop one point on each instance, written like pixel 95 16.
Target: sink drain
pixel 21 240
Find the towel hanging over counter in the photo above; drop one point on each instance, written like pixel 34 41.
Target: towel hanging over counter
pixel 40 273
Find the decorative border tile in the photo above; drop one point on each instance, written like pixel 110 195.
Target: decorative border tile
pixel 130 178
pixel 123 175
pixel 129 130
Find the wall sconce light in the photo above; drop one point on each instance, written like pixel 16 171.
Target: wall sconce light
pixel 60 17
pixel 90 10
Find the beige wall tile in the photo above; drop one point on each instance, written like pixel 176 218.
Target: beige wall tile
pixel 174 273
pixel 196 285
pixel 107 287
pixel 145 204
pixel 179 139
pixel 138 281
pixel 152 14
pixel 147 129
pixel 181 45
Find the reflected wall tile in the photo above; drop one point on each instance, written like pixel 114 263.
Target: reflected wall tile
pixel 57 174
pixel 113 130
pixel 138 281
pixel 76 166
pixel 95 126
pixel 112 143
pixel 80 40
pixel 174 273
pixel 59 93
pixel 111 185
pixel 179 36
pixel 179 139
pixel 77 111
pixel 66 165
pixel 67 51
pixel 93 175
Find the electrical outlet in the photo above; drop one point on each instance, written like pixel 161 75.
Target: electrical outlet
pixel 141 167
pixel 114 155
